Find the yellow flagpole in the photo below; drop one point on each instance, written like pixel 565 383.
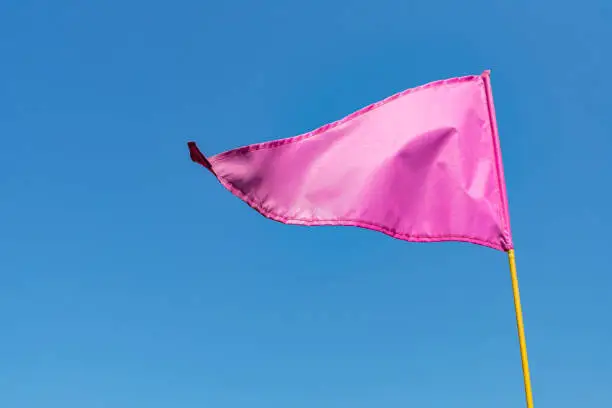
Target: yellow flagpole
pixel 521 328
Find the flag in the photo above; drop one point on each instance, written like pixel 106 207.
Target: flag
pixel 423 165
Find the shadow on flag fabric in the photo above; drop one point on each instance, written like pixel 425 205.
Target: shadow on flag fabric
pixel 423 165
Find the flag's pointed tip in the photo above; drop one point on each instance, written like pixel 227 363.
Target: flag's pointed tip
pixel 486 73
pixel 197 156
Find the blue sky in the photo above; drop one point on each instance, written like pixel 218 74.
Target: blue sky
pixel 130 278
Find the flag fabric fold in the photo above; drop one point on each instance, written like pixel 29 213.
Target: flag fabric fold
pixel 423 165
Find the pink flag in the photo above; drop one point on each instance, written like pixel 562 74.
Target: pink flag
pixel 423 165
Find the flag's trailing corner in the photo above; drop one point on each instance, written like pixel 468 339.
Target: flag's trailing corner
pixel 423 165
pixel 198 157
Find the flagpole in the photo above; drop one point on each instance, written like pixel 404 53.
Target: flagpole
pixel 521 328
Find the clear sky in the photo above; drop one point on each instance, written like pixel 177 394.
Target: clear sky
pixel 130 278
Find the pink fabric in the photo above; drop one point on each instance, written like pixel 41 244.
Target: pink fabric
pixel 423 165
